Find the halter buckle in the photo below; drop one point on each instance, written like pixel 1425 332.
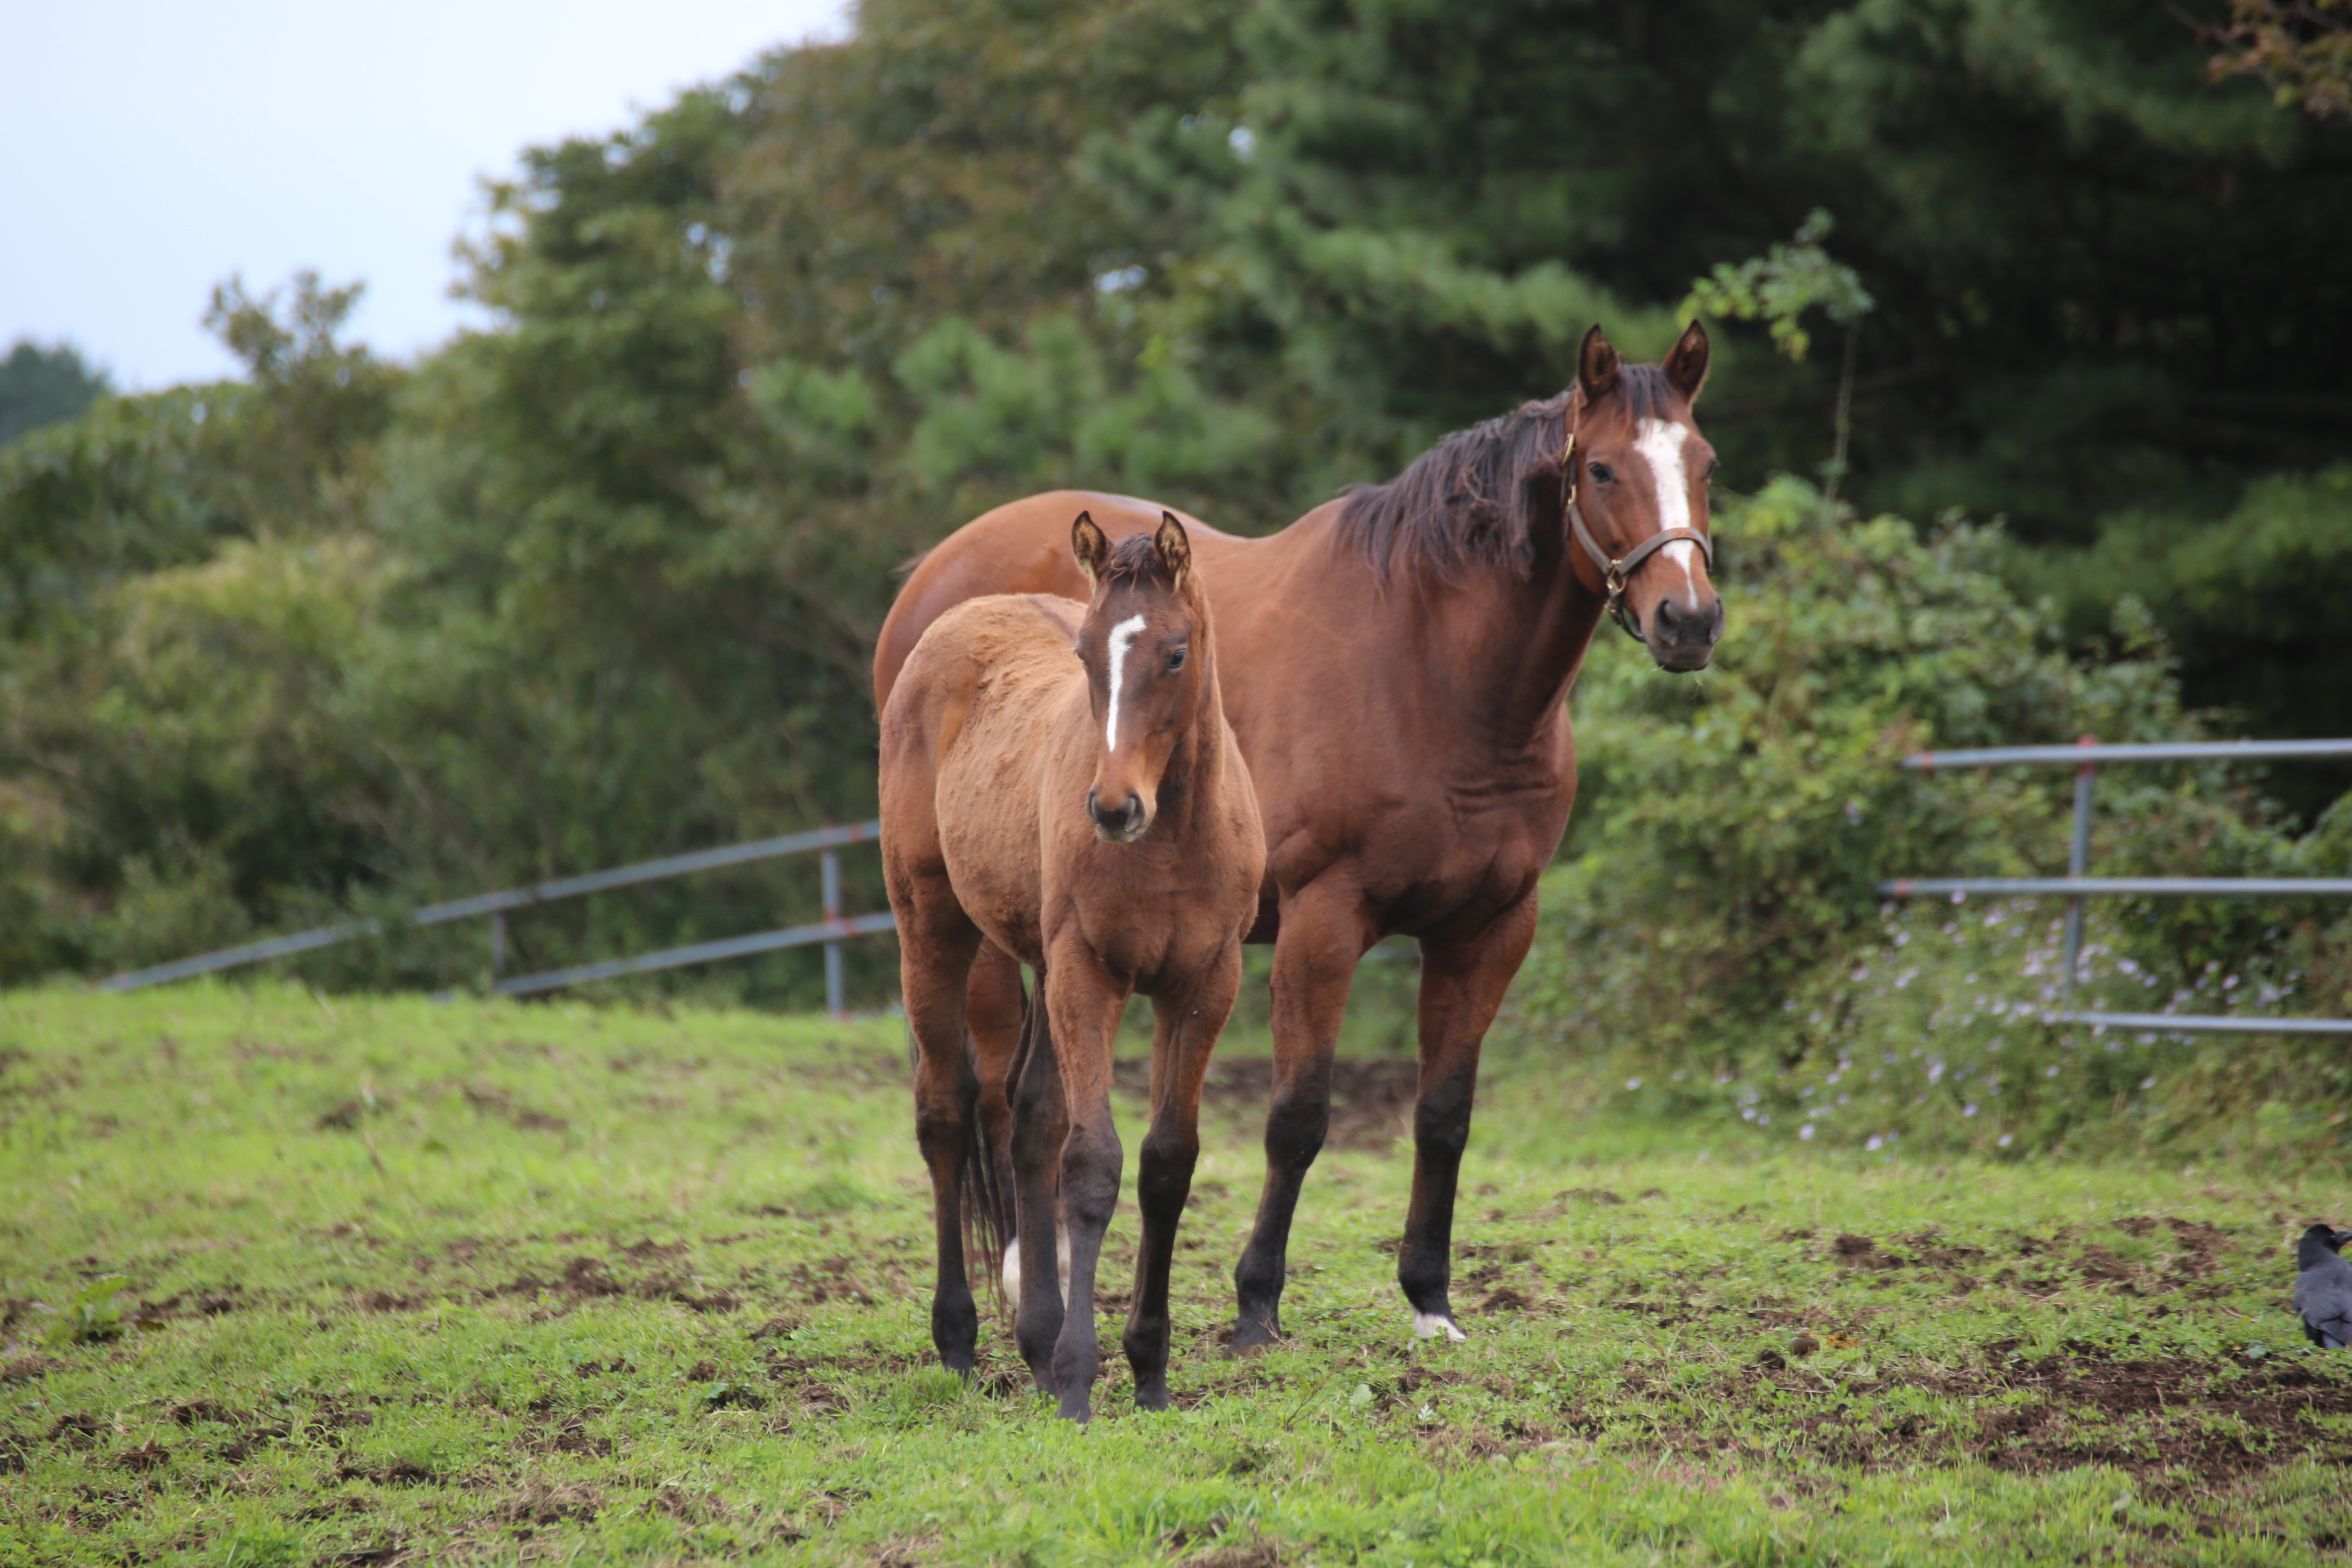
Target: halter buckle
pixel 1612 580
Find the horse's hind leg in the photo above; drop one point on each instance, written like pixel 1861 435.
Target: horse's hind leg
pixel 1186 1026
pixel 936 948
pixel 1041 1121
pixel 1084 1003
pixel 1461 984
pixel 995 1010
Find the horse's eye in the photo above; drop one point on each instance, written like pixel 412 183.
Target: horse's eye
pixel 1176 661
pixel 1713 464
pixel 1599 472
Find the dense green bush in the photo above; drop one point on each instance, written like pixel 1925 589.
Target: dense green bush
pixel 2254 601
pixel 1713 943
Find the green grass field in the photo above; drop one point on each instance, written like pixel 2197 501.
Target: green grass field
pixel 487 1283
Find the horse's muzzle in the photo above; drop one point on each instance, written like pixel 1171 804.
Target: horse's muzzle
pixel 1683 639
pixel 1124 824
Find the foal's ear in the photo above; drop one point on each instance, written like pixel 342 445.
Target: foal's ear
pixel 1175 549
pixel 1596 365
pixel 1088 543
pixel 1686 365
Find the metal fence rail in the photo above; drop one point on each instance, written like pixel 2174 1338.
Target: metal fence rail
pixel 832 931
pixel 2085 759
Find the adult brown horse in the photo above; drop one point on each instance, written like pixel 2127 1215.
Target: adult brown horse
pixel 1399 659
pixel 1091 815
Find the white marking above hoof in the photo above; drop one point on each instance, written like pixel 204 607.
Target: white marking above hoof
pixel 1436 1325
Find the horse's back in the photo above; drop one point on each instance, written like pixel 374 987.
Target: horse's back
pixel 1017 650
pixel 974 713
pixel 1021 548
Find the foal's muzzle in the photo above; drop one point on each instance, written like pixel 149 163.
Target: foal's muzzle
pixel 1123 824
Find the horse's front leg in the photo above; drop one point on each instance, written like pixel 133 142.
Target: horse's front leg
pixel 1187 1023
pixel 1323 935
pixel 1461 984
pixel 936 948
pixel 1083 1002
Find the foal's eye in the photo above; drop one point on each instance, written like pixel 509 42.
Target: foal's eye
pixel 1176 661
pixel 1713 464
pixel 1599 472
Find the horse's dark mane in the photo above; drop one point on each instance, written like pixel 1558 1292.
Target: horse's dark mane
pixel 1471 500
pixel 1135 560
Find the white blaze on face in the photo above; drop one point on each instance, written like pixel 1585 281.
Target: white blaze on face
pixel 1122 638
pixel 1662 442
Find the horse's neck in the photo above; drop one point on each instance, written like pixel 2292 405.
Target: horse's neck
pixel 1525 642
pixel 1497 653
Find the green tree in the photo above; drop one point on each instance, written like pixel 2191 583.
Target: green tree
pixel 42 386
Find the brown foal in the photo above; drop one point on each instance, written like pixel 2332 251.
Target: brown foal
pixel 1088 814
pixel 1399 661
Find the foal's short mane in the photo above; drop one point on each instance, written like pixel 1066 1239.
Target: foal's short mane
pixel 1135 560
pixel 1471 500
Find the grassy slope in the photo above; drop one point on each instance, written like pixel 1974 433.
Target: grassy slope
pixel 487 1282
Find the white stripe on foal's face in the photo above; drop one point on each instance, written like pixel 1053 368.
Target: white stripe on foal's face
pixel 1122 638
pixel 1662 442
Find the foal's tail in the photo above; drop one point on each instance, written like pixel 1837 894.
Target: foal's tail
pixel 984 1231
pixel 986 1201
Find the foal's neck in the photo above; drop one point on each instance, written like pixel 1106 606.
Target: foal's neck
pixel 1194 777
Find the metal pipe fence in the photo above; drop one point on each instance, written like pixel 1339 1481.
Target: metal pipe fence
pixel 830 931
pixel 2075 886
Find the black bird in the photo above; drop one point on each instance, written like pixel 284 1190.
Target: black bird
pixel 2323 1291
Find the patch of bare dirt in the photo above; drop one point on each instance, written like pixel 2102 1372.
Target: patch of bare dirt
pixel 498 1102
pixel 386 1473
pixel 76 1431
pixel 542 1502
pixel 2174 1423
pixel 1371 1101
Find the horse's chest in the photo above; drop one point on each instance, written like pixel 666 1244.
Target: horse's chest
pixel 1136 941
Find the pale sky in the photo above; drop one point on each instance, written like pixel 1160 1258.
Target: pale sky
pixel 150 150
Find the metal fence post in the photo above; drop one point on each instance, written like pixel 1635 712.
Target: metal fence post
pixel 498 946
pixel 829 866
pixel 2077 862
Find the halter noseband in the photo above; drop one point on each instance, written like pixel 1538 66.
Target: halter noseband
pixel 1614 572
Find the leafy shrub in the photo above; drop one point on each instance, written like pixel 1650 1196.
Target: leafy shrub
pixel 1714 942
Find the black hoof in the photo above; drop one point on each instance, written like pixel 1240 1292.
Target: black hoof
pixel 1252 1335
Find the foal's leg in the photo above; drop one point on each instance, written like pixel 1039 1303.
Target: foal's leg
pixel 993 1012
pixel 1083 1001
pixel 1041 1124
pixel 1187 1023
pixel 936 949
pixel 1461 984
pixel 1314 959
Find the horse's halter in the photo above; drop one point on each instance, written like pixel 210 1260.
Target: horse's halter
pixel 1615 572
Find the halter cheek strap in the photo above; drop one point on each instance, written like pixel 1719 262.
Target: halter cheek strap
pixel 1615 570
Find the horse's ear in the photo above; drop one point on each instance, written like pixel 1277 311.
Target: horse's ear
pixel 1596 365
pixel 1175 549
pixel 1686 365
pixel 1088 543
